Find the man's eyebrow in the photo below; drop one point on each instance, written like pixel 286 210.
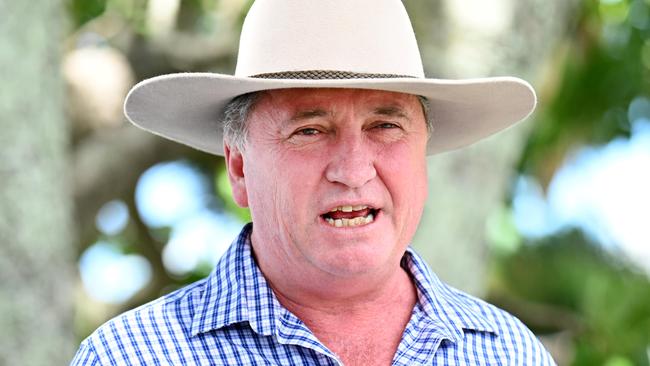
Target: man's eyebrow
pixel 391 111
pixel 387 110
pixel 307 114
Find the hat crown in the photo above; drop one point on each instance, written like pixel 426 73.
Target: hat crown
pixel 358 36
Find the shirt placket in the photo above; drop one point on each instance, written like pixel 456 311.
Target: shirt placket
pixel 292 331
pixel 420 341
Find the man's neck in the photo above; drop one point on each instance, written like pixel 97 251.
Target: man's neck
pixel 356 317
pixel 360 332
pixel 339 298
pixel 306 291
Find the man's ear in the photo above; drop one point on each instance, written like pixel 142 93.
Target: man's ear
pixel 235 168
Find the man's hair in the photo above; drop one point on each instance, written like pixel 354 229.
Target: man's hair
pixel 235 119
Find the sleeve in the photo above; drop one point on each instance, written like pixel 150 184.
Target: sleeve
pixel 86 355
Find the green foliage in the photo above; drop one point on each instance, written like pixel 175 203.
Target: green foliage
pixel 501 232
pixel 192 15
pixel 606 65
pixel 244 11
pixel 610 301
pixel 603 71
pixel 82 11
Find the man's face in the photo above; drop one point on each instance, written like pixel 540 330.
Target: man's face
pixel 314 155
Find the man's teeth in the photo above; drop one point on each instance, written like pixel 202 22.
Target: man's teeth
pixel 349 208
pixel 357 221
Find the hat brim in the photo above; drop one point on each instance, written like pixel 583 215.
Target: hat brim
pixel 188 107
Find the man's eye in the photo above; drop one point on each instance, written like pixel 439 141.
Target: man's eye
pixel 386 125
pixel 307 132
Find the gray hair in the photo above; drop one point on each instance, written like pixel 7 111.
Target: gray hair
pixel 426 110
pixel 235 126
pixel 235 116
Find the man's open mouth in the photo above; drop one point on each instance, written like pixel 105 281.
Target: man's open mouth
pixel 346 216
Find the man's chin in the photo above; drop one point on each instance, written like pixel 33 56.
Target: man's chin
pixel 353 260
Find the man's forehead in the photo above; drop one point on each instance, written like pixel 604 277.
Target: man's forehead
pixel 316 101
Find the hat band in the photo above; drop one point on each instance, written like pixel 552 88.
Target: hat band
pixel 325 74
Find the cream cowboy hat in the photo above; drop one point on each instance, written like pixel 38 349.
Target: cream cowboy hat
pixel 364 44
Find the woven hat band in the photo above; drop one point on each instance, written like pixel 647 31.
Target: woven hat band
pixel 325 75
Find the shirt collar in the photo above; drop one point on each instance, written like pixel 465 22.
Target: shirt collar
pixel 236 291
pixel 451 309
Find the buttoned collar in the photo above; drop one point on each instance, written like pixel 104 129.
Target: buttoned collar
pixel 237 292
pixel 453 310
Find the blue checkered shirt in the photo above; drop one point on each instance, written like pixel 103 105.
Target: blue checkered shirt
pixel 232 317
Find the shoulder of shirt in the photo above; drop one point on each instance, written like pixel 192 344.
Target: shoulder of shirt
pixel 173 319
pixel 508 328
pixel 476 315
pixel 501 319
pixel 177 306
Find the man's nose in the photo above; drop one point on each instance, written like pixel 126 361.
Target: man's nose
pixel 352 162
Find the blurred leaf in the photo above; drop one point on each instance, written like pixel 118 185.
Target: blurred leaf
pixel 83 11
pixel 611 298
pixel 602 73
pixel 501 232
pixel 613 11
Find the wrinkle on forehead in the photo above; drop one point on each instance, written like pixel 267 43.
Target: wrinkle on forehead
pixel 391 111
pixel 310 103
pixel 308 114
pixel 312 95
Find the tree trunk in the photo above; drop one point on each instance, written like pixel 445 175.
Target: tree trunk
pixel 36 244
pixel 477 38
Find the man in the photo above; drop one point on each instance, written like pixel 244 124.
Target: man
pixel 326 127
